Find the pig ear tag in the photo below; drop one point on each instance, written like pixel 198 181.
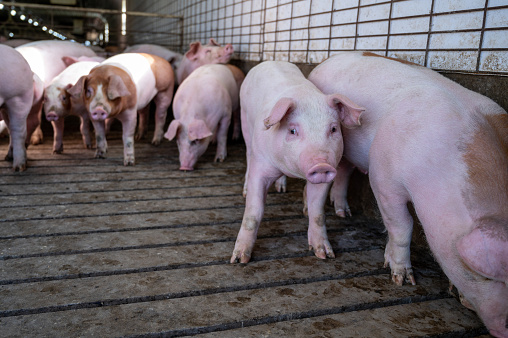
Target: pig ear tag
pixel 283 107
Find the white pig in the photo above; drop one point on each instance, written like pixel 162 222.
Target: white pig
pixel 58 103
pixel 121 86
pixel 202 109
pixel 16 97
pixel 172 57
pixel 46 59
pixel 290 128
pixel 199 55
pixel 425 139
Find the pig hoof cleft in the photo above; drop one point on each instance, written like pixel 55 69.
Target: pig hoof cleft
pixel 407 276
pixel 240 257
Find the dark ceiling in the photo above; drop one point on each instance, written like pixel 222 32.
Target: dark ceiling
pixel 65 17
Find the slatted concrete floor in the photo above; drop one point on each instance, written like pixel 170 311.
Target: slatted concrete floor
pixel 92 248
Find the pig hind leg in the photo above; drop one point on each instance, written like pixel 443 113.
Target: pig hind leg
pixel 399 224
pixel 142 123
pixel 222 138
pixel 16 122
pixel 162 102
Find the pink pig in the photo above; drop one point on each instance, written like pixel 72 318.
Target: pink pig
pixel 172 57
pixel 425 139
pixel 199 55
pixel 58 103
pixel 121 86
pixel 16 97
pixel 202 109
pixel 46 59
pixel 290 128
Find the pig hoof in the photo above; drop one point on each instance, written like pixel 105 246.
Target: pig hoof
pixel 322 251
pixel 20 167
pixel 128 162
pixel 343 213
pixel 240 257
pixel 58 150
pixel 406 276
pixel 465 302
pixel 156 142
pixel 220 158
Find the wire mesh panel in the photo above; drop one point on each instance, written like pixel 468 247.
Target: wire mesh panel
pixel 466 35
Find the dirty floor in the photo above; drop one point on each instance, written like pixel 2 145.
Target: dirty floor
pixel 89 247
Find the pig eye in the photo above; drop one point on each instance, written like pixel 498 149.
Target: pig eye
pixel 89 92
pixel 293 131
pixel 334 129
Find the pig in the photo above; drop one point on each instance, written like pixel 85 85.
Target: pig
pixel 290 128
pixel 239 77
pixel 199 55
pixel 46 60
pixel 173 58
pixel 16 98
pixel 58 103
pixel 427 140
pixel 121 86
pixel 202 108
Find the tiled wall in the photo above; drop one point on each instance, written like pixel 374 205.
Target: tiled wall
pixel 468 35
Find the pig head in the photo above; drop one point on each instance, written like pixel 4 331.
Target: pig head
pixel 199 55
pixel 106 92
pixel 193 139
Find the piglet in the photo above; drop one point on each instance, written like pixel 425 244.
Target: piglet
pixel 290 128
pixel 425 139
pixel 118 88
pixel 199 55
pixel 16 98
pixel 172 57
pixel 202 109
pixel 58 103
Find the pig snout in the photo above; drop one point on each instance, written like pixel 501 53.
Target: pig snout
pixel 99 114
pixel 321 173
pixel 228 49
pixel 186 168
pixel 51 116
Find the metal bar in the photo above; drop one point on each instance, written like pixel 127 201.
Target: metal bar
pixel 92 10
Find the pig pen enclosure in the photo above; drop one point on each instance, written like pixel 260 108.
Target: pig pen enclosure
pixel 89 247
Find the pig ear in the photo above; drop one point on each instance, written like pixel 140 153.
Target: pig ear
pixel 173 129
pixel 198 130
pixel 192 53
pixel 284 106
pixel 349 112
pixel 69 60
pixel 116 88
pixel 212 42
pixel 76 90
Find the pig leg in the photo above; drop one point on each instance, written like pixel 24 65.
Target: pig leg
pixel 399 224
pixel 58 128
pixel 257 186
pixel 222 138
pixel 236 125
pixel 100 137
pixel 143 122
pixel 128 119
pixel 162 103
pixel 280 184
pixel 16 122
pixel 318 239
pixel 85 131
pixel 37 136
pixel 338 192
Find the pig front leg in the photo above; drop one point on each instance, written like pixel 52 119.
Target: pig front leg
pixel 318 239
pixel 257 186
pixel 128 119
pixel 338 192
pixel 58 128
pixel 222 139
pixel 85 131
pixel 280 184
pixel 100 138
